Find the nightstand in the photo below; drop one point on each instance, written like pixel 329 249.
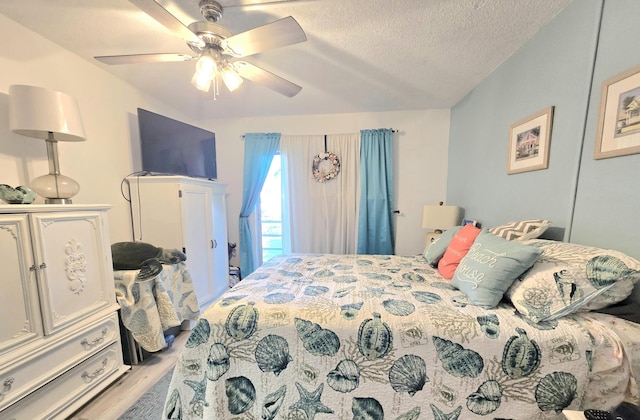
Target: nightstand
pixel 234 276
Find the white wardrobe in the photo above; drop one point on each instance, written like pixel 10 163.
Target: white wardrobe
pixel 59 334
pixel 187 214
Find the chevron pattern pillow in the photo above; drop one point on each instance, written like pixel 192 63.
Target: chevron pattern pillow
pixel 521 230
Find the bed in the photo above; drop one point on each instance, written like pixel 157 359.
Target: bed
pixel 377 336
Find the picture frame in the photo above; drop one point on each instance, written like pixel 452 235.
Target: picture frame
pixel 529 142
pixel 618 132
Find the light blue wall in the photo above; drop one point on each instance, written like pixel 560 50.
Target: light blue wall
pixel 607 209
pixel 596 202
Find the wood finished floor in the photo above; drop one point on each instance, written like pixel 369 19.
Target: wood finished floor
pixel 120 395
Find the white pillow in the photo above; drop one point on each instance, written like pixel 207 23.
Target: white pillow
pixel 569 277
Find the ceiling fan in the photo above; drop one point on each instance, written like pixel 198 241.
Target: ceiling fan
pixel 218 51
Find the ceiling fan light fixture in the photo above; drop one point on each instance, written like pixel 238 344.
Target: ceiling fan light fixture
pixel 201 81
pixel 206 64
pixel 231 78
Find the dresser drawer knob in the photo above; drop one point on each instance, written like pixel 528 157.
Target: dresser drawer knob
pixel 95 341
pixel 6 386
pixel 88 377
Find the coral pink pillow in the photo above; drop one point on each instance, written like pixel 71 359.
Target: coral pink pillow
pixel 457 249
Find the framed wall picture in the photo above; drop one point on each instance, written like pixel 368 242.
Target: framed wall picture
pixel 529 141
pixel 619 122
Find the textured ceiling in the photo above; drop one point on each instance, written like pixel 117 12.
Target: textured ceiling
pixel 360 55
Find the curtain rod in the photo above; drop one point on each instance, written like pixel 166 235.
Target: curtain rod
pixel 392 130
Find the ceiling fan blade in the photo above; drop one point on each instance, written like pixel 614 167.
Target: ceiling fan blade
pixel 169 21
pixel 267 79
pixel 142 58
pixel 227 4
pixel 282 32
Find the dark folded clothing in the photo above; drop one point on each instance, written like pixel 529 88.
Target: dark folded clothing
pixel 625 411
pixel 627 309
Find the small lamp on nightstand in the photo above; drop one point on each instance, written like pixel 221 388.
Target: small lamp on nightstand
pixel 440 218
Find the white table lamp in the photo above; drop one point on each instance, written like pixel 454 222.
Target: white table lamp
pixel 440 218
pixel 52 116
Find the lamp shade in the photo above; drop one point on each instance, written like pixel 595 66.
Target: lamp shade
pixel 231 79
pixel 36 112
pixel 441 217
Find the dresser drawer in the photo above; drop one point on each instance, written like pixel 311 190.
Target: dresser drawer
pixel 67 393
pixel 38 365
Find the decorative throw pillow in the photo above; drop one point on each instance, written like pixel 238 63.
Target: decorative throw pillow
pixel 570 277
pixel 436 249
pixel 457 249
pixel 521 230
pixel 491 266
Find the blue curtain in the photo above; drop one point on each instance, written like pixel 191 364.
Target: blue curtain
pixel 375 223
pixel 259 149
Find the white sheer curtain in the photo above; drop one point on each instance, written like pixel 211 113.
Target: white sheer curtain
pixel 320 217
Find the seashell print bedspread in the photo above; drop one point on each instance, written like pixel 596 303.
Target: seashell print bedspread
pixel 373 337
pixel 150 307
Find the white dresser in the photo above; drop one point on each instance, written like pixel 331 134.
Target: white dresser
pixel 59 333
pixel 188 214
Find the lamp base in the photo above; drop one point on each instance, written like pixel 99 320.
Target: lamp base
pixel 55 188
pixel 58 201
pixel 431 237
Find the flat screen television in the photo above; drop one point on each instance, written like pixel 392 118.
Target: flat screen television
pixel 171 147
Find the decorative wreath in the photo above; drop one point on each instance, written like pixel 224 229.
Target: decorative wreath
pixel 326 166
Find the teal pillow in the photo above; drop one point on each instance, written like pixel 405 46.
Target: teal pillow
pixel 436 250
pixel 491 266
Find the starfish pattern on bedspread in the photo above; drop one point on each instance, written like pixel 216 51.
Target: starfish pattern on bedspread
pixel 199 388
pixel 440 415
pixel 310 402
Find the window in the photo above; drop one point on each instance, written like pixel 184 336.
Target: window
pixel 271 212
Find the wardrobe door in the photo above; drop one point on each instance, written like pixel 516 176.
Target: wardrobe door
pixel 19 306
pixel 199 241
pixel 74 267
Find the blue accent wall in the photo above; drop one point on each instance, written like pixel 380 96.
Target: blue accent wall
pixel 596 202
